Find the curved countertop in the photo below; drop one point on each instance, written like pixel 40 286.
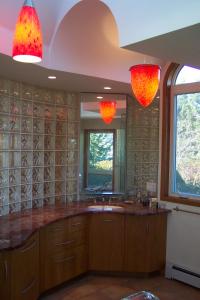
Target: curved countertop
pixel 16 228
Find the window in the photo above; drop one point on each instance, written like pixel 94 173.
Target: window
pixel 180 165
pixel 99 150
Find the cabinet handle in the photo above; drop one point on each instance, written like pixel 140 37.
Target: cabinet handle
pixel 6 269
pixel 29 247
pixel 24 291
pixel 65 243
pixel 65 259
pixel 108 220
pixel 76 224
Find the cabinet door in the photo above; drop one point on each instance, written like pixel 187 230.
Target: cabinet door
pixel 25 271
pixel 145 243
pixel 4 276
pixel 106 242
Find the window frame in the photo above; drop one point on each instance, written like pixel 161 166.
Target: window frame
pixel 86 152
pixel 168 92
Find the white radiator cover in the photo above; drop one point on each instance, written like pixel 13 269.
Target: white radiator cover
pixel 187 276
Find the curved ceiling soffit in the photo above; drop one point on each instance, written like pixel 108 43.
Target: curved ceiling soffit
pixel 86 42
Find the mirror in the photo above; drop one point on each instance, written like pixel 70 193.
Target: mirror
pixel 102 146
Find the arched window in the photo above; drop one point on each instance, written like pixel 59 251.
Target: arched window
pixel 180 163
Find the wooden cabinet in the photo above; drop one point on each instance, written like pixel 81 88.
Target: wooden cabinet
pixel 63 251
pixel 145 243
pixel 106 242
pixel 19 272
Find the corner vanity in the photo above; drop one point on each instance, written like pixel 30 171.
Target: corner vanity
pixel 42 248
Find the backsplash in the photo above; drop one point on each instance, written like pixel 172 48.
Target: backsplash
pixel 39 146
pixel 142 145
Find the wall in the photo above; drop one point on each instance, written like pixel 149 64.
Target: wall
pixel 142 145
pixel 39 146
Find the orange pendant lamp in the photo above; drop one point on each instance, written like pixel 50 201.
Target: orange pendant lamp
pixel 145 80
pixel 27 43
pixel 108 110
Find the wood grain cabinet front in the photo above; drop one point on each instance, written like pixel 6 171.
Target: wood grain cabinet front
pixel 4 275
pixel 106 242
pixel 145 243
pixel 63 251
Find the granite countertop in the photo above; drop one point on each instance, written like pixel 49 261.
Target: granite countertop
pixel 16 228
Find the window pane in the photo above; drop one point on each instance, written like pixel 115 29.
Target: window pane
pixel 100 161
pixel 188 75
pixel 187 145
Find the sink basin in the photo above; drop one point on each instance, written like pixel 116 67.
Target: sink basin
pixel 104 207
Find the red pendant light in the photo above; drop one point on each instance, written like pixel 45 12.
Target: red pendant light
pixel 145 81
pixel 27 44
pixel 108 110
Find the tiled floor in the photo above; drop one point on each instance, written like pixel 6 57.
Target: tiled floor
pixel 115 288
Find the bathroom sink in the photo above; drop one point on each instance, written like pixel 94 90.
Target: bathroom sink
pixel 104 207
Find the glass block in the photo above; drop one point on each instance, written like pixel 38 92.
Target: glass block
pixel 26 91
pixel 60 143
pixel 38 174
pixel 73 115
pixel 71 187
pixel 38 126
pixel 48 189
pixel 49 173
pixel 49 127
pixel 37 203
pixel 70 198
pixel 4 141
pixel 26 125
pixel 72 143
pixel 14 176
pixel 69 99
pixel 46 95
pixel 26 142
pixel 60 173
pixel 4 159
pixel 14 89
pixel 14 207
pixel 49 111
pixel 4 104
pixel 26 205
pixel 38 142
pixel 73 129
pixel 14 141
pixel 4 123
pixel 60 158
pixel 60 188
pixel 38 109
pixel 49 201
pixel 37 94
pixel 60 200
pixel 26 175
pixel 26 159
pixel 26 108
pixel 14 159
pixel 4 87
pixel 4 194
pixel 38 158
pixel 48 158
pixel 37 190
pixel 72 171
pixel 59 98
pixel 15 106
pixel 14 124
pixel 26 192
pixel 61 113
pixel 49 142
pixel 4 210
pixel 14 194
pixel 72 157
pixel 4 178
pixel 61 128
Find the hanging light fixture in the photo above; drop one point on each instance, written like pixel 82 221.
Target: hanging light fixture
pixel 108 110
pixel 145 81
pixel 27 44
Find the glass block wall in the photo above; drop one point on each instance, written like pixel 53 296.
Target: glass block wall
pixel 39 151
pixel 142 145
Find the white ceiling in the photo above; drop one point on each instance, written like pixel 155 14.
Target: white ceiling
pixel 82 40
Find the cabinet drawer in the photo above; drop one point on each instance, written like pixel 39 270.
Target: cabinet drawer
pixel 77 223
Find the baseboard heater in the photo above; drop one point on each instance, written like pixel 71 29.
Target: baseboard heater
pixel 179 273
